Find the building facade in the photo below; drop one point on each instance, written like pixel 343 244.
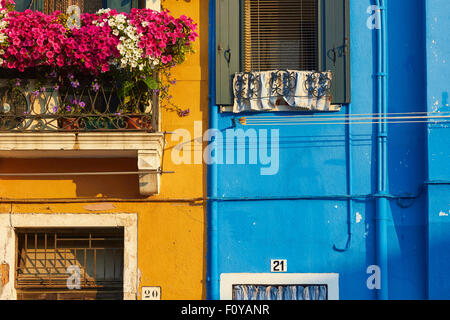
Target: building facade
pixel 150 229
pixel 357 203
pixel 323 174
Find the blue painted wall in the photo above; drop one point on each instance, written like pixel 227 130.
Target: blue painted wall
pixel 438 140
pixel 314 162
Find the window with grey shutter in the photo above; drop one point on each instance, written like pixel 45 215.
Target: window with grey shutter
pixel 260 35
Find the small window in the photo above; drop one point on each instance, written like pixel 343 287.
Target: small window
pixel 265 35
pixel 280 35
pixel 70 263
pixel 279 292
pixel 286 286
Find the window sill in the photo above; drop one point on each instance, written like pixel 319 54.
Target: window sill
pixel 147 148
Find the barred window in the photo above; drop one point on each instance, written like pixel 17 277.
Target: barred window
pixel 70 263
pixel 280 292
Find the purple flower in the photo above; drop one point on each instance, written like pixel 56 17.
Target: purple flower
pixel 69 108
pixel 56 88
pixel 53 74
pixel 55 109
pixel 184 113
pixel 75 84
pixel 35 93
pixel 95 86
pixel 43 89
pixel 82 104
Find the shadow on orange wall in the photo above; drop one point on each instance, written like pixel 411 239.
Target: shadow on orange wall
pixel 115 186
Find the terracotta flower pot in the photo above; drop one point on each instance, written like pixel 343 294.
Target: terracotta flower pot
pixel 69 124
pixel 138 123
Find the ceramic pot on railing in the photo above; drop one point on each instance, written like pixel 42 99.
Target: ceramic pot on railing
pixel 138 122
pixel 69 124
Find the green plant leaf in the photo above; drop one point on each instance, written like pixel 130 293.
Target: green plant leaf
pixel 127 87
pixel 151 83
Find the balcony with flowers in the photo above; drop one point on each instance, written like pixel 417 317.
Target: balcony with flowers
pixel 92 82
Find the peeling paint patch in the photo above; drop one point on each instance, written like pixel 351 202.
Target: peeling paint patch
pixel 367 230
pixel 139 280
pixel 443 214
pixel 100 206
pixel 358 217
pixel 4 271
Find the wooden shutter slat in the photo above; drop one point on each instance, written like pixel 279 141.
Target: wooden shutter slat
pixel 227 48
pixel 335 44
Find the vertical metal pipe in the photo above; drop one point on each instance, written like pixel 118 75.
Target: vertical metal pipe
pixel 349 184
pixel 382 169
pixel 349 179
pixel 213 290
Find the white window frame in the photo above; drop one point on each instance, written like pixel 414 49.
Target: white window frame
pixel 228 280
pixel 129 221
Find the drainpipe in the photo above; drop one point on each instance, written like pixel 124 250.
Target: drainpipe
pixel 349 184
pixel 213 287
pixel 382 205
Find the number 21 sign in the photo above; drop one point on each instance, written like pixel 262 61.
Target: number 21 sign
pixel 278 265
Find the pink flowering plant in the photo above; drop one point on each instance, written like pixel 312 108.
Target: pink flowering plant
pixel 133 52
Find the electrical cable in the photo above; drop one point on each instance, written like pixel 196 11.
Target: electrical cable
pixel 327 114
pixel 313 119
pixel 344 123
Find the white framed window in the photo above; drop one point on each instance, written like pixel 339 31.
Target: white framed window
pixel 9 223
pixel 269 286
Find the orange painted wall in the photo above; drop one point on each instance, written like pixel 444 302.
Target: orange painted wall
pixel 171 236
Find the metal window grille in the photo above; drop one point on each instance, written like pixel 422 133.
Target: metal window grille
pixel 90 6
pixel 44 256
pixel 280 292
pixel 280 34
pixel 49 6
pixel 104 109
pixel 62 5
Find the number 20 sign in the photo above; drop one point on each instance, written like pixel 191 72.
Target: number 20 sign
pixel 278 265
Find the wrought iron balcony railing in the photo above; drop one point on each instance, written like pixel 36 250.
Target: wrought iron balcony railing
pixel 76 106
